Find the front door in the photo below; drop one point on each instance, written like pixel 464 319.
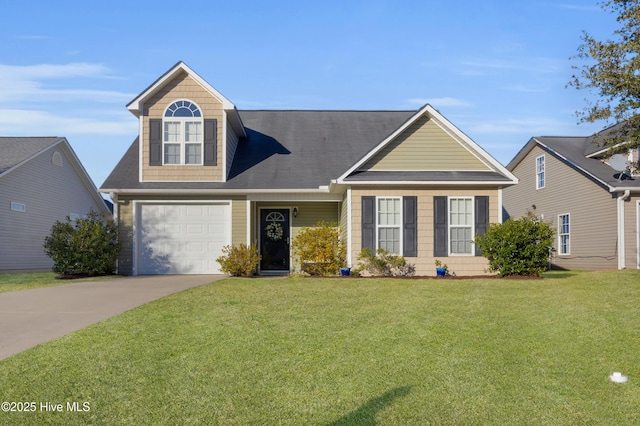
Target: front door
pixel 274 240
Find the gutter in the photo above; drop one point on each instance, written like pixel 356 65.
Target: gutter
pixel 207 191
pixel 622 264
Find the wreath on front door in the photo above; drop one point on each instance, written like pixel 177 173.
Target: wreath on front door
pixel 274 231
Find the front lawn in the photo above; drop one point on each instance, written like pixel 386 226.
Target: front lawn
pixel 25 281
pixel 349 352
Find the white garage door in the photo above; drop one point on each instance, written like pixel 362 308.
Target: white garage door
pixel 182 238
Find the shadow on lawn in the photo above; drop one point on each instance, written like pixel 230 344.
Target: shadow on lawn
pixel 366 414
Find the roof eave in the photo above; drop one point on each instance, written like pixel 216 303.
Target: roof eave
pixel 134 105
pixel 424 182
pixel 178 191
pixel 574 165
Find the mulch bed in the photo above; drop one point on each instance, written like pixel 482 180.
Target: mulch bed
pixel 432 277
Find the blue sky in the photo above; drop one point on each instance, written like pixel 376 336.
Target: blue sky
pixel 497 69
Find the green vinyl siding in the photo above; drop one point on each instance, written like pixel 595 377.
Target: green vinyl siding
pixel 238 222
pixel 309 214
pixel 425 146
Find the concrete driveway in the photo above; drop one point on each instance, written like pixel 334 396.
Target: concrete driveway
pixel 31 317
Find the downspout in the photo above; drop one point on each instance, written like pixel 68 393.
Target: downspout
pixel 349 225
pixel 622 264
pixel 116 210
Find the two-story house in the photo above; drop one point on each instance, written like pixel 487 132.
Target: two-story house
pixel 202 175
pixel 594 207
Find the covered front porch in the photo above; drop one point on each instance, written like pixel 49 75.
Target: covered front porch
pixel 274 224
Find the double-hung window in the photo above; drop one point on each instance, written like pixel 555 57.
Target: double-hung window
pixel 389 224
pixel 456 222
pixel 540 172
pixel 461 225
pixel 564 244
pixel 182 134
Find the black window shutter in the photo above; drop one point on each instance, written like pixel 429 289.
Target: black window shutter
pixel 369 223
pixel 410 226
pixel 482 217
pixel 210 145
pixel 440 222
pixel 155 142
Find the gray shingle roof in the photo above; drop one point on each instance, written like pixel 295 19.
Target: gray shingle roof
pixel 15 150
pixel 573 151
pixel 285 150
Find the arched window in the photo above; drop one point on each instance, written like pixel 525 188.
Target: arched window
pixel 183 134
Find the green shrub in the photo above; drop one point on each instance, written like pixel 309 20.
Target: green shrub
pixel 320 249
pixel 517 247
pixel 384 263
pixel 240 261
pixel 86 246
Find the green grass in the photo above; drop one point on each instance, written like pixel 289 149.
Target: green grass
pixel 25 281
pixel 351 352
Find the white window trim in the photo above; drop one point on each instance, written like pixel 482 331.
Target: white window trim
pixel 472 226
pixel 543 172
pixel 560 234
pixel 183 144
pixel 18 207
pixel 400 226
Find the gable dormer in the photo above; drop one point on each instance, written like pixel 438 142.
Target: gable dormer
pixel 426 145
pixel 188 130
pixel 427 148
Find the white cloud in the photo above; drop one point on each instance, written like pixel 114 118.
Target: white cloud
pixel 48 71
pixel 19 84
pixel 43 123
pixel 534 126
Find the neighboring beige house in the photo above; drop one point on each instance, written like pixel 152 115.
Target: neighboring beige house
pixel 202 175
pixel 594 209
pixel 41 182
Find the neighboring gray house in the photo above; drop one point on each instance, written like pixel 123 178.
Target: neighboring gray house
pixel 41 181
pixel 594 209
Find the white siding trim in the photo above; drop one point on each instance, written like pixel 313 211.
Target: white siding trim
pixel 294 197
pixel 449 225
pixel 349 237
pixel 621 248
pixel 500 206
pixel 223 141
pixel 141 142
pixel 638 234
pixel 400 226
pixel 543 172
pixel 559 250
pixel 248 202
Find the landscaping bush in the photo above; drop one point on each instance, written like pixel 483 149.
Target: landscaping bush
pixel 320 249
pixel 384 263
pixel 517 247
pixel 240 261
pixel 84 246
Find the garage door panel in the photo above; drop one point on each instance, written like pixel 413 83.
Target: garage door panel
pixel 182 239
pixel 195 247
pixel 195 228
